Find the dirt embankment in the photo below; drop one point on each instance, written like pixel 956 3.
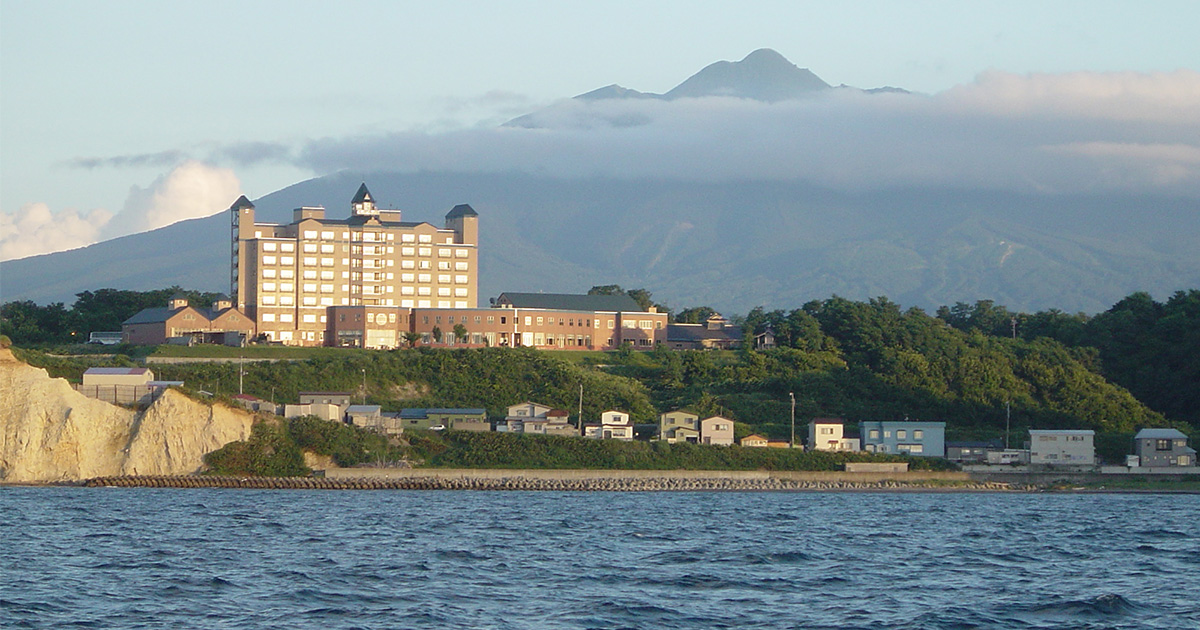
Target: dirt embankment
pixel 50 432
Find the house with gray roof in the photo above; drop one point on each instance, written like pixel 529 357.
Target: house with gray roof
pixel 1163 448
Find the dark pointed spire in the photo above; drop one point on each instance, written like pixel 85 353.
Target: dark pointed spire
pixel 461 210
pixel 242 202
pixel 363 195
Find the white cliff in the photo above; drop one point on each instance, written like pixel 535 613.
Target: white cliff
pixel 50 432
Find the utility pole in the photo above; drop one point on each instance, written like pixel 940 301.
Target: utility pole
pixel 1014 326
pixel 581 408
pixel 364 387
pixel 241 371
pixel 792 395
pixel 1007 421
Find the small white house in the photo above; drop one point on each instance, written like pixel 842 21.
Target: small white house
pixel 614 425
pixel 1062 447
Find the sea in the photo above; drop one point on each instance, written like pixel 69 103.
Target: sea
pixel 219 558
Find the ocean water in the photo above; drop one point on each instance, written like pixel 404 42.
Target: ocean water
pixel 212 558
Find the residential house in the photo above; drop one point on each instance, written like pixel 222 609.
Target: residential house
pixel 366 416
pixel 679 426
pixel 926 439
pixel 473 419
pixel 971 452
pixel 341 400
pixel 520 413
pixel 755 441
pixel 122 385
pixel 553 422
pixel 1163 448
pixel 714 334
pixel 1062 447
pixel 828 434
pixel 324 411
pixel 614 425
pixel 716 431
pixel 254 403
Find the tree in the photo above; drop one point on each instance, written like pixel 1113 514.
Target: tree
pixel 695 315
pixel 460 333
pixel 411 338
pixel 437 334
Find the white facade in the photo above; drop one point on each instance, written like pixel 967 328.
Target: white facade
pixel 1062 447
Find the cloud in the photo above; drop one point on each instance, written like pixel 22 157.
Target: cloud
pixel 160 159
pixel 191 190
pixel 997 132
pixel 36 229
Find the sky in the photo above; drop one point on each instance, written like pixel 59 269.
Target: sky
pixel 119 117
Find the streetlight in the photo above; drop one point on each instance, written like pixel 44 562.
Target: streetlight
pixel 364 387
pixel 792 395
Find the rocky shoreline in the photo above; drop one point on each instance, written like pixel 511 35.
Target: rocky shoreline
pixel 644 484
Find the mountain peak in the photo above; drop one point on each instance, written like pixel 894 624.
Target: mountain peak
pixel 763 75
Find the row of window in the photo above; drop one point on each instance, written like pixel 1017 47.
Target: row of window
pixel 901 434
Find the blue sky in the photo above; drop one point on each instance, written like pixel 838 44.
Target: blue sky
pixel 103 104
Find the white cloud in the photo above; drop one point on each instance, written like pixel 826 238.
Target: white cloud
pixel 192 190
pixel 189 191
pixel 992 133
pixel 36 229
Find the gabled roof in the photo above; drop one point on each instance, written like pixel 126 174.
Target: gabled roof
pixel 1160 434
pixel 242 202
pixel 362 195
pixel 365 409
pixel 461 210
pixel 570 302
pixel 150 316
pixel 698 332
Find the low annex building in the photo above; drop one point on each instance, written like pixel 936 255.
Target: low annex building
pixel 1062 447
pixel 181 322
pixel 714 334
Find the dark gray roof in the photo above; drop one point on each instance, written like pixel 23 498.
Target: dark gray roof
pixel 150 316
pixel 461 210
pixel 242 202
pixel 362 195
pixel 424 413
pixel 570 302
pixel 1160 434
pixel 699 332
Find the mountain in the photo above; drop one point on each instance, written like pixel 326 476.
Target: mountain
pixel 764 75
pixel 729 245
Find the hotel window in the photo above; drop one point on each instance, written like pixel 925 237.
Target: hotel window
pixel 268 317
pixel 326 301
pixel 370 318
pixel 424 277
pixel 328 236
pixel 424 291
pixel 309 319
pixel 424 251
pixel 326 288
pixel 492 319
pixel 443 265
pixel 287 286
pixel 610 325
pixel 461 279
pixel 462 253
pixel 391 318
pixel 443 304
pixel 285 317
pixel 408 251
pixel 310 301
pixel 539 321
pixel 326 248
pixel 408 264
pixel 310 260
pixel 268 286
pixel 268 260
pixel 310 274
pixel 528 321
pixel 287 247
pixel 268 247
pixel 443 253
pixel 407 291
pixel 424 264
pixel 408 238
pixel 268 273
pixel 310 248
pixel 443 292
pixel 476 319
pixel 287 273
pixel 460 266
pixel 327 275
pixel 268 299
pixel 310 234
pixel 407 277
pixel 444 278
pixel 425 238
pixel 286 260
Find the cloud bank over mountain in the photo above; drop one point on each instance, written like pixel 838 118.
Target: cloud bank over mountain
pixel 1073 133
pixel 190 190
